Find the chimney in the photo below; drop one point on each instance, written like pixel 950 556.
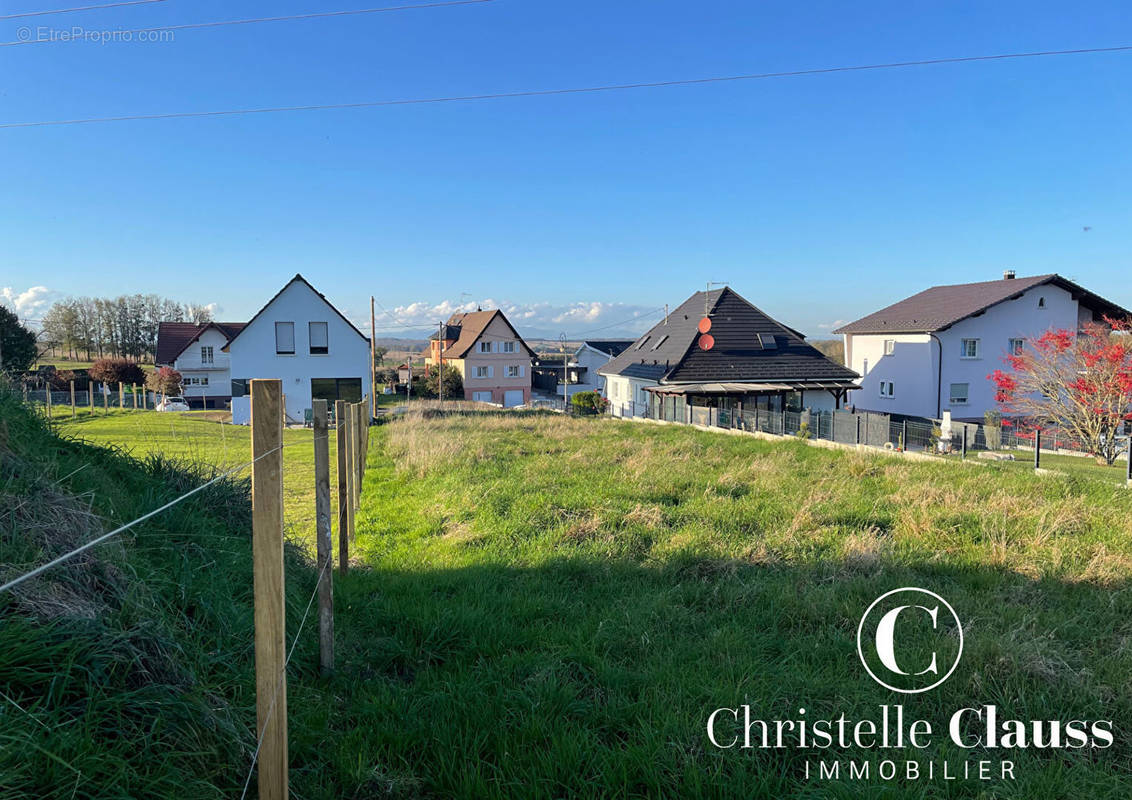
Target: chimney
pixel 1008 275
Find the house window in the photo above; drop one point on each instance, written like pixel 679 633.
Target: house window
pixel 509 347
pixel 1041 302
pixel 319 338
pixel 285 338
pixel 969 348
pixel 206 355
pixel 768 341
pixel 643 342
pixel 483 372
pixel 887 389
pixel 1016 346
pixel 203 380
pixel 485 347
pixel 239 387
pixel 514 371
pixel 481 397
pixel 660 341
pixel 331 389
pixel 959 392
pixel 889 346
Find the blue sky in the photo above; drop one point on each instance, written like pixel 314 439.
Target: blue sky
pixel 818 198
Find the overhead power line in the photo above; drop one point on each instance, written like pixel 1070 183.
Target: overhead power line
pixel 579 90
pixel 79 8
pixel 188 26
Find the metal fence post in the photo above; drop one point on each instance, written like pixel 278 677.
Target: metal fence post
pixel 1037 448
pixel 858 429
pixel 74 411
pixel 1128 475
pixel 783 421
pixel 964 455
pixel 904 435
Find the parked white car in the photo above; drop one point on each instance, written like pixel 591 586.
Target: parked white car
pixel 173 404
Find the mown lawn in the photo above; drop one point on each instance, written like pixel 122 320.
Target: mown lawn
pixel 200 438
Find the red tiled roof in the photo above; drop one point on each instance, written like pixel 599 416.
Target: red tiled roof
pixel 174 337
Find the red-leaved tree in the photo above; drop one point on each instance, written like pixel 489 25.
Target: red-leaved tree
pixel 116 370
pixel 164 380
pixel 1079 382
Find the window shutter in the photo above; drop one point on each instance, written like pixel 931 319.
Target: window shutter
pixel 521 371
pixel 491 372
pixel 285 337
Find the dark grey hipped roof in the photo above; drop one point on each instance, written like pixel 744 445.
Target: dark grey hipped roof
pixel 611 347
pixel 669 352
pixel 940 307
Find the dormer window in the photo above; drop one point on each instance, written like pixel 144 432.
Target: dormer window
pixel 768 341
pixel 660 341
pixel 643 342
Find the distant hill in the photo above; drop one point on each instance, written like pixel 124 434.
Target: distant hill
pixel 833 349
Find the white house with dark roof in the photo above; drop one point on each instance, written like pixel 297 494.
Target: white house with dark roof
pixel 932 352
pixel 591 356
pixel 197 352
pixel 300 338
pixel 717 353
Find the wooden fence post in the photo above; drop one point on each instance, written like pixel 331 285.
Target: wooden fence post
pixel 121 395
pixel 134 392
pixel 105 403
pixel 351 456
pixel 90 396
pixel 267 561
pixel 74 411
pixel 47 395
pixel 343 488
pixel 325 547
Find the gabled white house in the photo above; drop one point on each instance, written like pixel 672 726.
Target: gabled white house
pixel 932 352
pixel 592 356
pixel 197 352
pixel 303 340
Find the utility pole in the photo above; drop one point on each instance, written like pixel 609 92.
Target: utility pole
pixel 372 358
pixel 440 361
pixel 565 376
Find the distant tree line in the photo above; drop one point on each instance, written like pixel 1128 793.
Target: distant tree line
pixel 119 327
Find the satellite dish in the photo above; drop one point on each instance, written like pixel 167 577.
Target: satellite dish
pixel 707 341
pixel 705 325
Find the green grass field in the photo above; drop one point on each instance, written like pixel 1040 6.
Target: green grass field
pixel 551 607
pixel 198 437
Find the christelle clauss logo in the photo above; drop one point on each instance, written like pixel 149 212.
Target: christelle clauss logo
pixel 909 640
pixel 939 631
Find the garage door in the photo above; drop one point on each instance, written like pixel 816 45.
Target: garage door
pixel 481 397
pixel 513 398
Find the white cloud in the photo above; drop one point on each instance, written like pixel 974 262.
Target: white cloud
pixel 539 320
pixel 30 303
pixel 837 323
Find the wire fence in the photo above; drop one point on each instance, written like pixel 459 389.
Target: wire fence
pixel 352 425
pixel 1007 440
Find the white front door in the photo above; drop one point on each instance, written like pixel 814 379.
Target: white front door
pixel 513 397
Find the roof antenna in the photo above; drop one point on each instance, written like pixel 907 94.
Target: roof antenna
pixel 706 293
